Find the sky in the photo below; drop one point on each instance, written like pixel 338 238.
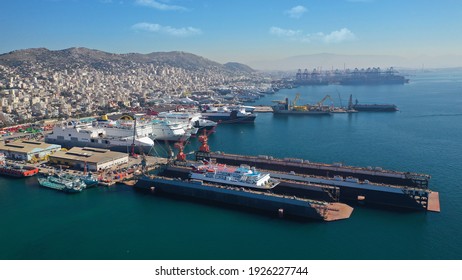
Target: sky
pixel 246 31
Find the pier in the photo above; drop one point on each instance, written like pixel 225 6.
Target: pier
pixel 117 174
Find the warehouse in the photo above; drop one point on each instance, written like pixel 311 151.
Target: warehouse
pixel 27 150
pixel 95 159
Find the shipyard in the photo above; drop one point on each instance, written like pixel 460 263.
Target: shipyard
pixel 227 139
pixel 146 148
pixel 119 149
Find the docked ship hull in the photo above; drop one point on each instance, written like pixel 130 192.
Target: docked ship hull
pixel 18 173
pixel 16 170
pixel 385 80
pixel 375 108
pixel 241 198
pixel 224 119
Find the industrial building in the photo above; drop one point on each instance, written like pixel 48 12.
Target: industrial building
pixel 95 159
pixel 28 150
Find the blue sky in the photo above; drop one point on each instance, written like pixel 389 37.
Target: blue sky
pixel 237 30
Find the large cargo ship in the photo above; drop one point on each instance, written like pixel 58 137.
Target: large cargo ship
pixel 247 198
pixel 369 76
pixel 16 170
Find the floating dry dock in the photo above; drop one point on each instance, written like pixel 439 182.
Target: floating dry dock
pixel 282 205
pixel 340 189
pixel 300 166
pixel 367 185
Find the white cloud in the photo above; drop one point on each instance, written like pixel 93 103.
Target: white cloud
pixel 285 32
pixel 157 28
pixel 336 36
pixel 159 6
pixel 296 12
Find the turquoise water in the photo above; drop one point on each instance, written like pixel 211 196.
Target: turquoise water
pixel 119 223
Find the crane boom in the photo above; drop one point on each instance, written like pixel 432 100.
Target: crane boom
pixel 294 103
pixel 324 99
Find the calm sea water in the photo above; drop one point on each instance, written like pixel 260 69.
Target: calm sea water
pixel 119 223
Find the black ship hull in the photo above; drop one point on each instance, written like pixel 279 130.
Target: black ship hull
pixel 375 108
pixel 241 198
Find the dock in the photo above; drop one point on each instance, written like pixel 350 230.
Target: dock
pixel 332 190
pixel 338 211
pixel 434 202
pixel 112 176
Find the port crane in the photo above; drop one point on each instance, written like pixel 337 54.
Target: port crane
pixel 181 156
pixel 204 140
pixel 320 103
pixel 294 103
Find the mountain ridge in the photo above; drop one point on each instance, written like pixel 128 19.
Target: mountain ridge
pixel 102 60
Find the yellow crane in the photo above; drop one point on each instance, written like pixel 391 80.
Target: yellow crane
pixel 320 103
pixel 294 104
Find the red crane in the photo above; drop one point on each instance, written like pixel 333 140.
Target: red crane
pixel 204 140
pixel 181 156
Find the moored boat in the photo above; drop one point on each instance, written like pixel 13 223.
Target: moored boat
pixel 16 170
pixel 224 115
pixel 61 183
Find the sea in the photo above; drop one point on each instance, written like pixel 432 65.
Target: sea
pixel 119 223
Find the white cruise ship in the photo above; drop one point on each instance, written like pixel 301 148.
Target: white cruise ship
pixel 164 130
pixel 72 134
pixel 185 119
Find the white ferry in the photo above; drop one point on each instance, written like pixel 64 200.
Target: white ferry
pixel 242 176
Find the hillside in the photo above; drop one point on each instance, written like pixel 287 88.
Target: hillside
pixel 104 61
